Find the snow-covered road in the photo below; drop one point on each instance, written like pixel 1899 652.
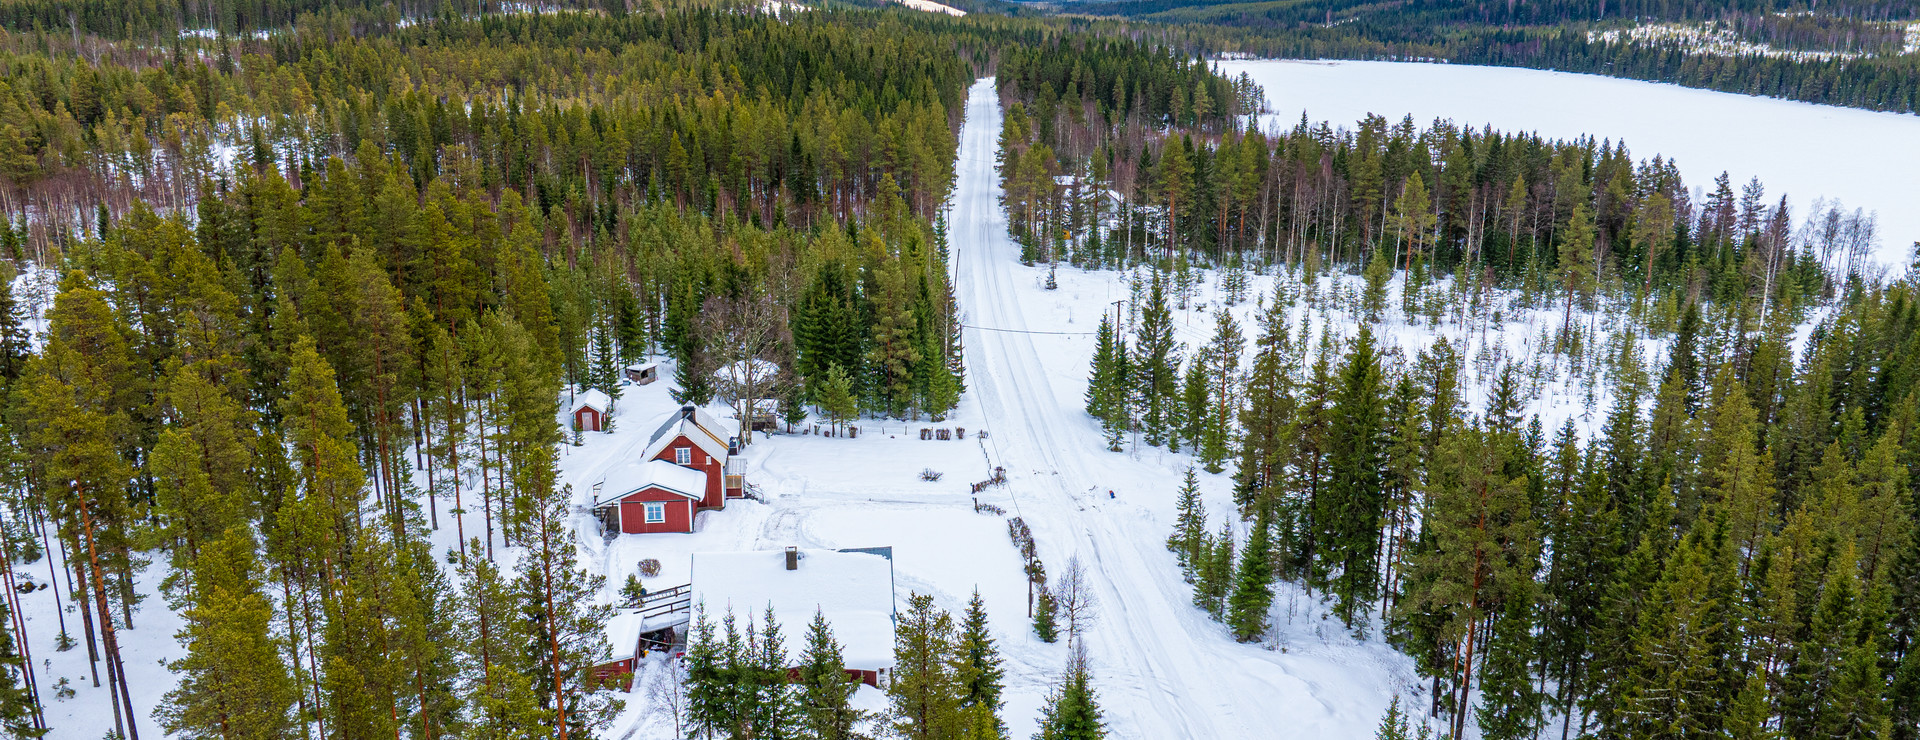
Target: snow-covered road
pixel 1163 669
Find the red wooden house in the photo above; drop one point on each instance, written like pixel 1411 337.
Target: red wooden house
pixel 693 438
pixel 650 496
pixel 591 408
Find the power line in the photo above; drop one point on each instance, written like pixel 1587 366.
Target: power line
pixel 1024 331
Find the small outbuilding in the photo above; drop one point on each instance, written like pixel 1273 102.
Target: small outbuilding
pixel 643 373
pixel 623 655
pixel 853 589
pixel 591 408
pixel 650 496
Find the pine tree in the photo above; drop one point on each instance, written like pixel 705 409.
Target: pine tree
pixel 233 682
pixel 926 690
pixel 836 397
pixel 1252 594
pixel 493 678
pixel 567 634
pixel 1072 712
pixel 825 691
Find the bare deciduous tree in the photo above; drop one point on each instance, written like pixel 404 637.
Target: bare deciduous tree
pixel 1074 597
pixel 747 341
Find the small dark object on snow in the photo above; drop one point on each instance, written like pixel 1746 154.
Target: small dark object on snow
pixel 650 568
pixel 1109 493
pixel 930 475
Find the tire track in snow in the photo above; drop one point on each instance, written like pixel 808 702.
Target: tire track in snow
pixel 1164 673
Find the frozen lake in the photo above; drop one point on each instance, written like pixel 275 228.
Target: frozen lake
pixel 1865 159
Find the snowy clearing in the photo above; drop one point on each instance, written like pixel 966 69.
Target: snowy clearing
pixel 1864 158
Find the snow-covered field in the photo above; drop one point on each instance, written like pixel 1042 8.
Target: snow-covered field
pixel 1864 158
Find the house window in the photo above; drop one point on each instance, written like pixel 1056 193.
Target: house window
pixel 656 513
pixel 683 456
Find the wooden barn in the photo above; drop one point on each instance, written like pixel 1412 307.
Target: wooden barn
pixel 693 438
pixel 643 373
pixel 852 588
pixel 591 408
pixel 650 496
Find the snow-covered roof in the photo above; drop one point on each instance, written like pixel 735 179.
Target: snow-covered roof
pixel 623 634
pixel 640 366
pixel 591 397
pixel 853 589
pixel 661 474
pixel 694 423
pixel 759 368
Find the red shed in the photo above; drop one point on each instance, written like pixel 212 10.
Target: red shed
pixel 590 410
pixel 650 496
pixel 692 438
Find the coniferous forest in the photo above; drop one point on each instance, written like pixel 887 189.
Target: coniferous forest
pixel 284 280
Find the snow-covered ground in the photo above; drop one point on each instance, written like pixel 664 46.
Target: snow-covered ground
pixel 933 7
pixel 1864 158
pixel 1163 669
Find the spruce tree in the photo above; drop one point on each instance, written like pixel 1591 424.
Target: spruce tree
pixel 1265 432
pixel 1072 712
pixel 1109 386
pixel 1158 361
pixel 14 347
pixel 1189 528
pixel 977 662
pixel 776 715
pixel 1223 391
pixel 709 685
pixel 1193 417
pixel 1350 512
pixel 1393 725
pixel 1216 577
pixel 1509 700
pixel 825 691
pixel 1044 608
pixel 1252 594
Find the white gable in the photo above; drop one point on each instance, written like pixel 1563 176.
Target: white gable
pixel 592 398
pixel 693 423
pixel 853 589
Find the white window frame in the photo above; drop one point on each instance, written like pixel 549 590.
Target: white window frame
pixel 656 511
pixel 683 456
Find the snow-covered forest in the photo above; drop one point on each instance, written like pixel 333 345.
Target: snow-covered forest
pixel 324 326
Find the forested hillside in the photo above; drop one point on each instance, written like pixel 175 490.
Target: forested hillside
pixel 1730 549
pixel 294 284
pixel 1851 54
